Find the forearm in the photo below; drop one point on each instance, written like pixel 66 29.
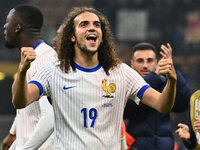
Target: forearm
pixel 19 87
pixel 19 90
pixel 167 97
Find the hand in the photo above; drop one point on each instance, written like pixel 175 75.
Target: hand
pixel 183 131
pixel 8 140
pixel 197 124
pixel 166 53
pixel 27 56
pixel 166 67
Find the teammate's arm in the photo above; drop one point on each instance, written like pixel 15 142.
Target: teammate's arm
pixel 24 94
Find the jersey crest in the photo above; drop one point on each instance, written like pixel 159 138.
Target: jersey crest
pixel 110 88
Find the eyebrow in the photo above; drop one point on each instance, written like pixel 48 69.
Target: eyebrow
pixel 84 21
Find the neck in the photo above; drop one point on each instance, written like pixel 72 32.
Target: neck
pixel 29 42
pixel 29 39
pixel 87 61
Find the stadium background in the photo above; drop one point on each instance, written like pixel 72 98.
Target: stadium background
pixel 132 21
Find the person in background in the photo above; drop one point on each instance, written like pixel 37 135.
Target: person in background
pixel 151 129
pixel 190 132
pixel 57 38
pixel 23 29
pixel 89 86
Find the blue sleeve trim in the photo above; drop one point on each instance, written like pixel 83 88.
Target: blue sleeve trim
pixel 38 84
pixel 142 90
pixel 36 45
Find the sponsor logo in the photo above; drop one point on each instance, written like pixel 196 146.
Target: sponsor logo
pixel 66 88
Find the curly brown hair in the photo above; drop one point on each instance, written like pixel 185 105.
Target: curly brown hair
pixel 106 51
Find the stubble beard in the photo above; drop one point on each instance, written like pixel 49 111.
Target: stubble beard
pixel 86 51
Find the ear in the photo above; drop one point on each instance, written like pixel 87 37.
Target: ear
pixel 73 39
pixel 18 28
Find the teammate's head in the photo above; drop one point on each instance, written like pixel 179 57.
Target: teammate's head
pixel 144 58
pixel 58 37
pixel 106 50
pixel 22 19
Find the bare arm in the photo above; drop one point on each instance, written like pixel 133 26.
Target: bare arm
pixel 24 94
pixel 163 102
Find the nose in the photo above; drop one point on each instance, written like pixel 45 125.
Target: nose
pixel 91 27
pixel 91 30
pixel 145 64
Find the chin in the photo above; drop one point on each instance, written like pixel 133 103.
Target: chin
pixel 143 75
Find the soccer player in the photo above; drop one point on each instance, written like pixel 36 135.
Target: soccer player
pixel 150 128
pixel 57 42
pixel 190 132
pixel 22 29
pixel 89 86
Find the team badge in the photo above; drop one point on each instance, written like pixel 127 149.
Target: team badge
pixel 110 88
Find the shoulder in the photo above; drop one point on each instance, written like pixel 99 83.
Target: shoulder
pixel 126 69
pixel 123 66
pixel 45 49
pixel 45 53
pixel 50 66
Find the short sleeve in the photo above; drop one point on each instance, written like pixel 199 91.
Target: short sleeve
pixel 135 83
pixel 42 78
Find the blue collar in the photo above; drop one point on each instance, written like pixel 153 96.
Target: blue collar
pixel 36 45
pixel 87 69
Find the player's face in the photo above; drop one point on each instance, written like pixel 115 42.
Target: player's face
pixel 88 33
pixel 9 30
pixel 144 61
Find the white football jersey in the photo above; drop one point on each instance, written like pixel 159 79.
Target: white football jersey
pixel 28 117
pixel 88 104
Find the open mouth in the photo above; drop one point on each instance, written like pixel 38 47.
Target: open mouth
pixel 92 37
